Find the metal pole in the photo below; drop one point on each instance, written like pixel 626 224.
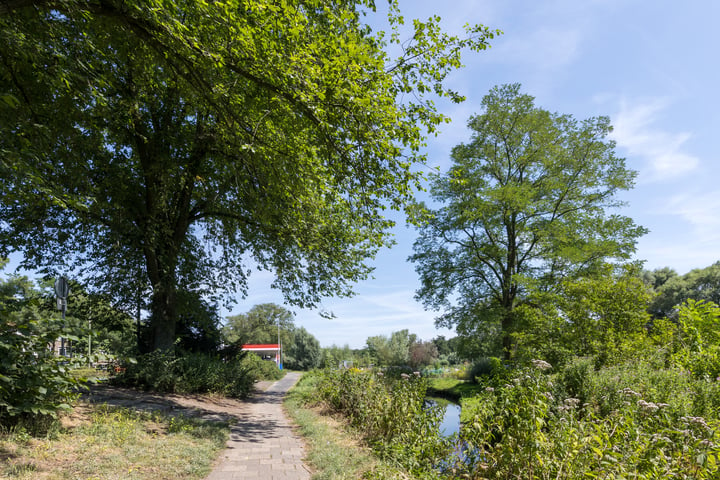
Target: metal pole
pixel 62 339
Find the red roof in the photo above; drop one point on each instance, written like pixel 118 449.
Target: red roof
pixel 265 346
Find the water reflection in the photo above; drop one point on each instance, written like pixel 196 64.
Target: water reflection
pixel 451 418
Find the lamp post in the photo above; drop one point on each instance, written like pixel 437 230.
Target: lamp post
pixel 279 358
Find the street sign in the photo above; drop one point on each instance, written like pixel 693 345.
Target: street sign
pixel 62 287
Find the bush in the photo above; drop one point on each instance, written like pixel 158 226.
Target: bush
pixel 193 373
pixel 486 367
pixel 390 413
pixel 522 430
pixel 34 383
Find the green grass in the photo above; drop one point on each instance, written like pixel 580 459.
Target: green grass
pixel 101 443
pixel 333 452
pixel 452 388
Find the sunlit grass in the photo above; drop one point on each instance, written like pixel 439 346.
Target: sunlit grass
pixel 101 443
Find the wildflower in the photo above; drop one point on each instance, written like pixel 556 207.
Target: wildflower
pixel 699 421
pixel 417 374
pixel 380 374
pixel 647 406
pixel 549 396
pixel 629 392
pixel 489 389
pixel 404 376
pixel 541 364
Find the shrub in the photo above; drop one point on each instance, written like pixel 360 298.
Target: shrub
pixel 34 383
pixel 485 368
pixel 390 413
pixel 192 373
pixel 522 430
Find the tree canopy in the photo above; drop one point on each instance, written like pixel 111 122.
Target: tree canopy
pixel 261 324
pixel 528 203
pixel 151 147
pixel 672 289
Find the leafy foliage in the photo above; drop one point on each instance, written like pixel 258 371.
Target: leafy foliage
pixel 393 350
pixel 524 207
pixel 196 373
pixel 390 413
pixel 261 324
pixel 604 316
pixel 522 430
pixel 304 353
pixel 34 383
pixel 695 341
pixel 162 145
pixel 698 284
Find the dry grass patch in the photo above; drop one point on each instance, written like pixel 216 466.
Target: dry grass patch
pixel 102 443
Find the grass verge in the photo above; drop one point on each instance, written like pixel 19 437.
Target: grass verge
pixel 103 443
pixel 333 452
pixel 452 388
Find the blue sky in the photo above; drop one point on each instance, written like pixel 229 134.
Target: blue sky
pixel 652 66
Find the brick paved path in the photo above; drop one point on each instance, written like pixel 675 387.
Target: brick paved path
pixel 262 444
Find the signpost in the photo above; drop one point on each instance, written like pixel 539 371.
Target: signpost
pixel 62 290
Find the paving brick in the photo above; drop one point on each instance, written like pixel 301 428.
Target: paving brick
pixel 262 443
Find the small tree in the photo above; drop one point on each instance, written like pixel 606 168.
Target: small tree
pixel 604 316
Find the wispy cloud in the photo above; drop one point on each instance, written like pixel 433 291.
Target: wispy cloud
pixel 685 230
pixel 661 151
pixel 699 209
pixel 542 49
pixel 369 315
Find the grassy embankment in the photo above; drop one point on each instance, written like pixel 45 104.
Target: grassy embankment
pixel 334 451
pixel 452 388
pixel 97 442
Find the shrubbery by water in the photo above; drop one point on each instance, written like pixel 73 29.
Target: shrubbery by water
pixel 637 420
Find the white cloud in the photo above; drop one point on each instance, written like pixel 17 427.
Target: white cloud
pixel 661 151
pixel 685 231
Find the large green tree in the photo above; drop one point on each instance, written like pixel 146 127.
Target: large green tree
pixel 393 350
pixel 261 324
pixel 529 202
pixel 304 353
pixel 697 284
pixel 157 146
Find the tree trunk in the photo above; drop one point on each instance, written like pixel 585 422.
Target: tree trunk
pixel 164 317
pixel 163 304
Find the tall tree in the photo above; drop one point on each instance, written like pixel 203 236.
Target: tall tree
pixel 262 324
pixel 304 353
pixel 527 203
pixel 156 146
pixel 698 284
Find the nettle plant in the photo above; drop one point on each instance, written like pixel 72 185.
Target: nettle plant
pixel 524 429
